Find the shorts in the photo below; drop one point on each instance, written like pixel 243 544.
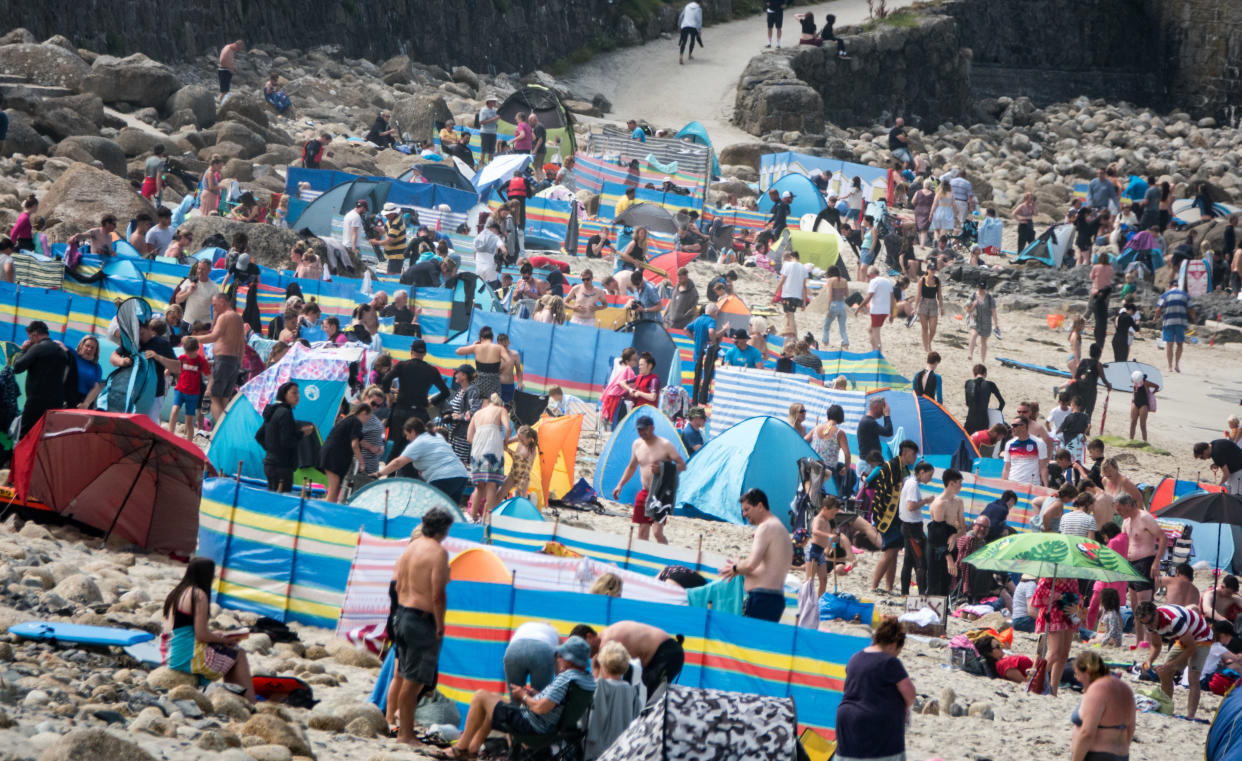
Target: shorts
pixel 530 660
pixel 791 305
pixel 396 265
pixel 418 647
pixel 665 664
pixel 1173 334
pixel 929 308
pixel 148 187
pixel 226 80
pixel 224 370
pixel 487 143
pixel 776 19
pixel 187 402
pixel 507 389
pixel 1197 661
pixel 1143 566
pixel 961 210
pixel 815 554
pixel 764 604
pixel 893 538
pixel 878 319
pixel 640 509
pixel 539 158
pixel 510 719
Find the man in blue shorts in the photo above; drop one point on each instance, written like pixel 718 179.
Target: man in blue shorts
pixel 1174 308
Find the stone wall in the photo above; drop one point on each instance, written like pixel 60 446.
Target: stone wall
pixel 490 36
pixel 1202 43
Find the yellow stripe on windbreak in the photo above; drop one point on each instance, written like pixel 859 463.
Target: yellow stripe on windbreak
pixel 284 526
pixel 800 664
pixel 277 601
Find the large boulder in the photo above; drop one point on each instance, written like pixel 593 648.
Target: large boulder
pixel 136 142
pixel 397 70
pixel 134 79
pixel 273 730
pixel 83 194
pixel 269 245
pixel 89 148
pixel 22 137
pixel 770 96
pixel 198 99
pixel 19 35
pixel 70 116
pixel 251 143
pixel 252 107
pixel 44 65
pixel 417 114
pixel 93 745
pixel 746 154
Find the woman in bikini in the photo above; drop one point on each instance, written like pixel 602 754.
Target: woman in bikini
pixel 1104 721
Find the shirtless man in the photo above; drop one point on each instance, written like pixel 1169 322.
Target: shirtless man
pixel 99 238
pixel 1223 603
pixel 947 521
pixel 228 333
pixel 1147 543
pixel 660 652
pixel 1103 506
pixel 1180 588
pixel 764 569
pixel 420 577
pixel 511 371
pixel 228 68
pixel 585 300
pixel 1116 484
pixel 646 454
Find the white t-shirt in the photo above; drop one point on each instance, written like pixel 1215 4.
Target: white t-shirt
pixel 538 631
pixel 881 290
pixel 159 237
pixel 795 277
pixel 198 303
pixel 1057 416
pixel 1023 456
pixel 353 221
pixel 433 457
pixel 910 493
pixel 1022 598
pixel 485 246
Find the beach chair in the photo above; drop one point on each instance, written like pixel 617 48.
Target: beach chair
pixel 562 743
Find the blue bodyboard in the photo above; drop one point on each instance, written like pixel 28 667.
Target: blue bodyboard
pixel 55 631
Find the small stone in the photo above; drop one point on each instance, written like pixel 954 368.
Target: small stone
pixel 931 708
pixel 982 711
pixel 188 709
pixel 164 678
pixel 360 727
pixel 5 721
pixel 211 740
pixel 325 722
pixel 228 704
pixel 272 730
pixel 316 652
pixel 367 711
pixel 350 656
pixel 259 644
pixel 269 753
pixel 152 721
pixel 6 651
pixel 186 692
pixel 36 698
pixel 957 710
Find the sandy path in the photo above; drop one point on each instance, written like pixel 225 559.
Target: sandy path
pixel 645 81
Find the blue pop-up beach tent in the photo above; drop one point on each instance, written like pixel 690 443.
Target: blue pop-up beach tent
pixel 758 453
pixel 807 198
pixel 616 454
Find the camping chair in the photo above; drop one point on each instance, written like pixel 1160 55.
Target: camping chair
pixel 562 743
pixel 720 238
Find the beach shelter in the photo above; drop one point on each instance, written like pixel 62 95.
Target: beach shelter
pixel 1144 248
pixel 819 249
pixel 760 452
pixel 691 722
pixel 553 472
pixel 926 423
pixel 651 336
pixel 479 564
pixel 446 174
pixel 338 201
pixel 116 472
pixel 652 216
pixel 403 497
pixel 1050 248
pixel 697 133
pixel 733 314
pixel 547 105
pixel 1224 740
pixel 668 264
pixel 616 453
pixel 499 171
pixel 518 507
pixel 806 197
pixel 322 378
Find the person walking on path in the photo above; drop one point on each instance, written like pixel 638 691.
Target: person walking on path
pixel 1174 310
pixel 690 22
pixel 227 68
pixel 419 582
pixel 770 556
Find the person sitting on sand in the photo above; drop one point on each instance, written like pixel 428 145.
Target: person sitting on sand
pixel 535 713
pixel 1180 588
pixel 188 645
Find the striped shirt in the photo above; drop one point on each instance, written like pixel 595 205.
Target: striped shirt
pixel 1077 523
pixel 1175 306
pixel 1174 622
pixel 556 692
pixel 394 247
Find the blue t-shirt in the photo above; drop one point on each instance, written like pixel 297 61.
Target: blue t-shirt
pixel 700 327
pixel 691 437
pixel 748 357
pixel 434 458
pixel 89 373
pixel 638 135
pixel 647 297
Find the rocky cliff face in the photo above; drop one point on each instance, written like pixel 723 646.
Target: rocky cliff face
pixel 488 35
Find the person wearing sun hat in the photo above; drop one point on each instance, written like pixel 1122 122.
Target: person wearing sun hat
pixel 489 117
pixel 394 241
pixel 530 713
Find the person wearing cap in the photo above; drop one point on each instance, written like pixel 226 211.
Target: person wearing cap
pixel 488 119
pixel 394 240
pixel 780 211
pixel 531 713
pixel 771 554
pixel 741 353
pixel 692 432
pixel 647 455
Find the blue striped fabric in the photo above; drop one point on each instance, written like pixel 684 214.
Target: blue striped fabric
pixel 740 394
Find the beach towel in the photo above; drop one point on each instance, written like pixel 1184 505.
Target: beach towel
pixel 720 596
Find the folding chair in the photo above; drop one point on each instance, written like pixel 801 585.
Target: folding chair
pixel 563 743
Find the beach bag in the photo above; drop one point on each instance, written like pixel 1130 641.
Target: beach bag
pixel 1039 678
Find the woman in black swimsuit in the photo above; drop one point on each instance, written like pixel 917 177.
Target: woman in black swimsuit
pixel 1140 405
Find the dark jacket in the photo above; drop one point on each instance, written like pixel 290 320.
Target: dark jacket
pixel 978 392
pixel 869 433
pixel 280 436
pixel 45 364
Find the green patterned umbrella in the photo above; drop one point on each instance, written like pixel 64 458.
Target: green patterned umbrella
pixel 1057 556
